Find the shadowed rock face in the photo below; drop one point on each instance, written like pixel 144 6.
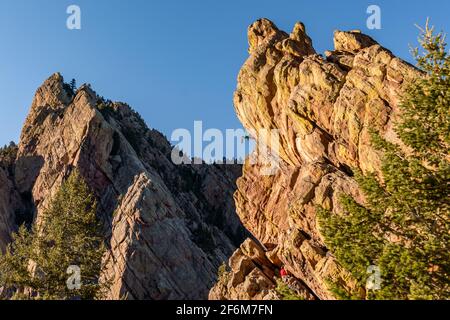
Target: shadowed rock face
pixel 6 209
pixel 11 207
pixel 168 227
pixel 322 108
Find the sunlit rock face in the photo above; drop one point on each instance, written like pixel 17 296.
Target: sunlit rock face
pixel 168 227
pixel 322 108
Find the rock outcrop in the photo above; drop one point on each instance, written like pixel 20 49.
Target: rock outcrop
pixel 6 212
pixel 168 227
pixel 251 276
pixel 11 206
pixel 322 108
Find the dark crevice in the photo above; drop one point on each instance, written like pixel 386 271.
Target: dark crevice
pixel 25 215
pixel 346 169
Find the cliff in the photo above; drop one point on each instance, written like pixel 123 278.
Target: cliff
pixel 168 228
pixel 321 108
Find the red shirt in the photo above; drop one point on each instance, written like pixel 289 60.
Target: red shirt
pixel 283 273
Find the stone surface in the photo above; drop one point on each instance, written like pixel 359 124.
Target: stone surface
pixel 6 210
pixel 168 227
pixel 322 108
pixel 251 276
pixel 12 206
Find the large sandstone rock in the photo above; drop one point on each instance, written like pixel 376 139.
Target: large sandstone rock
pixel 322 108
pixel 168 227
pixel 251 276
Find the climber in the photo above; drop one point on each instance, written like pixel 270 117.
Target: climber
pixel 283 273
pixel 288 280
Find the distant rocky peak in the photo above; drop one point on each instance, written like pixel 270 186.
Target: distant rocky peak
pixel 51 93
pixel 168 228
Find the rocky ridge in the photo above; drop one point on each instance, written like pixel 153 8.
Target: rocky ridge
pixel 322 108
pixel 168 227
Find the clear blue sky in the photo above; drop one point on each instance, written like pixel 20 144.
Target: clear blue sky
pixel 173 61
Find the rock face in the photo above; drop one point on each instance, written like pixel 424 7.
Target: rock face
pixel 6 212
pixel 251 276
pixel 322 109
pixel 11 207
pixel 168 227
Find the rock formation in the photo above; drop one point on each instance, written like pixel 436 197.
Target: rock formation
pixel 322 108
pixel 6 212
pixel 11 207
pixel 168 227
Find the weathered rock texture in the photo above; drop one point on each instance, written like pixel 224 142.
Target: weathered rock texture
pixel 11 207
pixel 322 108
pixel 168 227
pixel 6 212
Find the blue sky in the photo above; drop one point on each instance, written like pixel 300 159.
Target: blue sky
pixel 173 61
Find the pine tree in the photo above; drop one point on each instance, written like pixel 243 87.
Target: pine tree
pixel 8 155
pixel 404 226
pixel 285 292
pixel 73 85
pixel 36 263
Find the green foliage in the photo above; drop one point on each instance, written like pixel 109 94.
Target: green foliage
pixel 426 123
pixel 67 234
pixel 404 227
pixel 222 273
pixel 73 85
pixel 70 88
pixel 285 292
pixel 340 292
pixel 8 155
pixel 223 277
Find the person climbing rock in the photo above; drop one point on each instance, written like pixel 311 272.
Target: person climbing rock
pixel 283 273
